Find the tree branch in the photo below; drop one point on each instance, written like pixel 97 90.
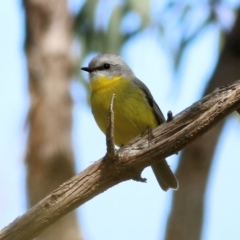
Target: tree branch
pixel 169 138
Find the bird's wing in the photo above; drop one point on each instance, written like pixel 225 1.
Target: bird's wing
pixel 162 171
pixel 158 113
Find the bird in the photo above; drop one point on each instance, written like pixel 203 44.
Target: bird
pixel 135 109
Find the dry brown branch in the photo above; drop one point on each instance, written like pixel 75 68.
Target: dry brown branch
pixel 169 138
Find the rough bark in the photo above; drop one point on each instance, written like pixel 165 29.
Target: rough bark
pixel 128 162
pixel 50 156
pixel 186 218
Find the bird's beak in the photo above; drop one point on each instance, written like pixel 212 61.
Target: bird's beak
pixel 87 69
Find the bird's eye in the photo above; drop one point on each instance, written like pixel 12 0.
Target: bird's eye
pixel 106 65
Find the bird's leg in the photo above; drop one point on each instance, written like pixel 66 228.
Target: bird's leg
pixel 150 135
pixel 169 119
pixel 111 152
pixel 169 116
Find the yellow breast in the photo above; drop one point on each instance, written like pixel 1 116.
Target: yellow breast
pixel 132 113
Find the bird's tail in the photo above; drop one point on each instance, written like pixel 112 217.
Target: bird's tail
pixel 164 175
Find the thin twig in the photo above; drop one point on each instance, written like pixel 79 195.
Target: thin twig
pixel 111 153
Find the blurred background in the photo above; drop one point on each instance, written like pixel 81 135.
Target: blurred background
pixel 182 50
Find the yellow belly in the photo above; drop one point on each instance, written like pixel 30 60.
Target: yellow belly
pixel 132 113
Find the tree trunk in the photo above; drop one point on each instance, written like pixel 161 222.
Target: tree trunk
pixel 50 156
pixel 186 218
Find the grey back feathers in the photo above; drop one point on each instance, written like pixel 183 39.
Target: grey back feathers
pixel 157 111
pixel 117 66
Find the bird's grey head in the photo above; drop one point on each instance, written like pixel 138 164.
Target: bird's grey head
pixel 108 65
